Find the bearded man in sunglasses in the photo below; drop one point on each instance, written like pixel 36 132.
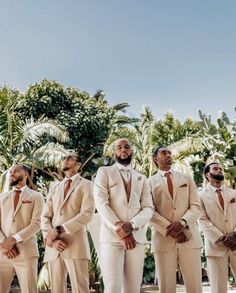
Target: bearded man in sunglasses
pixel 69 207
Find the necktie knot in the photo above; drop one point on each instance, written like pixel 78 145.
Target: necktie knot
pixel 17 191
pixel 167 174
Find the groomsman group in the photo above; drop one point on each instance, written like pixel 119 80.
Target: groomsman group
pixel 126 202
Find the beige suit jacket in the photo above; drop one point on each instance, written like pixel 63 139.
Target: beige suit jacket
pixel 184 205
pixel 73 212
pixel 111 203
pixel 25 220
pixel 214 221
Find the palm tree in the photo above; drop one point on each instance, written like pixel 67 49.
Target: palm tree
pixel 33 143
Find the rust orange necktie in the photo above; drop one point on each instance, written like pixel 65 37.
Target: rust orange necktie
pixel 16 197
pixel 169 183
pixel 220 197
pixel 67 187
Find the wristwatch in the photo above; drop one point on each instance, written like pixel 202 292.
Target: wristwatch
pixel 184 223
pixel 58 229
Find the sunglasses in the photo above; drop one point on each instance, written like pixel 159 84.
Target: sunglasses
pixel 69 157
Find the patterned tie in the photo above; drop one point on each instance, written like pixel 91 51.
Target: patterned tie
pixel 16 197
pixel 169 183
pixel 67 187
pixel 220 197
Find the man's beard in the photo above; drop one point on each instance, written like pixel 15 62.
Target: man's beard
pixel 17 181
pixel 125 161
pixel 218 177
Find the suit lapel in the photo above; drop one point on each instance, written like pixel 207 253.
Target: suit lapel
pixel 176 182
pixel 134 178
pixel 23 196
pixel 226 197
pixel 215 199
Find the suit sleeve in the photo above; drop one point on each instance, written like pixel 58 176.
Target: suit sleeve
pixel 210 230
pixel 146 212
pixel 159 222
pixel 101 195
pixel 86 212
pixel 193 213
pixel 47 214
pixel 2 237
pixel 34 225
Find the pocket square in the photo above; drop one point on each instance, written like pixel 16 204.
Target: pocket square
pixel 232 200
pixel 184 185
pixel 26 201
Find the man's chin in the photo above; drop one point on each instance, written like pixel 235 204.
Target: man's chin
pixel 14 183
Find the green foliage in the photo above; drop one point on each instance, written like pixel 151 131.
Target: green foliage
pixel 220 143
pixel 87 119
pixel 21 139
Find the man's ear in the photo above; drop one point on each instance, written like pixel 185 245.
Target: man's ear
pixel 155 160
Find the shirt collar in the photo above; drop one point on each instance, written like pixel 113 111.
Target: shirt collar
pixel 122 167
pixel 162 172
pixel 21 189
pixel 72 178
pixel 213 188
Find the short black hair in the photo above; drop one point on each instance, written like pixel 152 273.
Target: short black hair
pixel 22 167
pixel 156 150
pixel 207 169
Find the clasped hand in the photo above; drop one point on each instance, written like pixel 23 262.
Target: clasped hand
pixel 8 247
pixel 229 241
pixel 124 232
pixel 51 236
pixel 175 230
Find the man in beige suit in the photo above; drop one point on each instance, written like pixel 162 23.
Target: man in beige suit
pixel 20 211
pixel 175 235
pixel 123 200
pixel 218 223
pixel 69 207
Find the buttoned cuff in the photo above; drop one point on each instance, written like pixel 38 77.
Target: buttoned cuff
pixel 134 225
pixel 65 229
pixel 17 237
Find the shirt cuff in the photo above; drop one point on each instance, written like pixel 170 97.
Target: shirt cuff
pixel 66 230
pixel 134 225
pixel 17 237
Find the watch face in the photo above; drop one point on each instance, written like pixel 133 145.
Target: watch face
pixel 58 228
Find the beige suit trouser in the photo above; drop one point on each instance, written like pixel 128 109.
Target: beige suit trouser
pixel 189 260
pixel 78 273
pixel 122 269
pixel 26 271
pixel 217 269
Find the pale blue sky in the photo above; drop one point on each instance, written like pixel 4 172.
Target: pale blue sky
pixel 169 54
